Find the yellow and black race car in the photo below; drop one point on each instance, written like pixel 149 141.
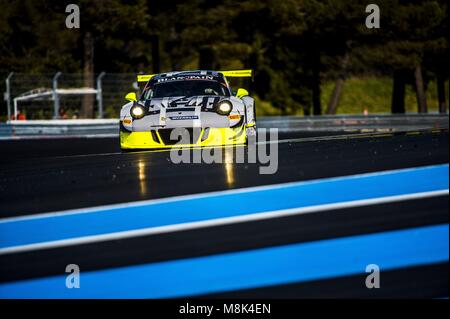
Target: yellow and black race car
pixel 187 109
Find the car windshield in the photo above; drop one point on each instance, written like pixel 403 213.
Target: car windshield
pixel 186 88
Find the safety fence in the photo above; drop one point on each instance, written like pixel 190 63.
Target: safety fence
pixel 60 95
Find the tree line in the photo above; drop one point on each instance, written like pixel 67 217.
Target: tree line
pixel 292 45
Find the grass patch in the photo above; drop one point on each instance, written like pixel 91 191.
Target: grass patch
pixel 375 94
pixel 359 93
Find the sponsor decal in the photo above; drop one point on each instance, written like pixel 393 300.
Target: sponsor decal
pixel 184 117
pixel 187 77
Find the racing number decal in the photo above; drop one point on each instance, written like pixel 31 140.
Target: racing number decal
pixel 206 103
pixel 209 102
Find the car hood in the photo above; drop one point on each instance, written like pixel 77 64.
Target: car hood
pixel 193 111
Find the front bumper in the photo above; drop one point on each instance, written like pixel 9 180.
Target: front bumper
pixel 160 138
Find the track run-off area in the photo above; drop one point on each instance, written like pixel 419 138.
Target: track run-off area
pixel 140 226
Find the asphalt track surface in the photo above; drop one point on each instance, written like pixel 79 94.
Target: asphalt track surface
pixel 60 174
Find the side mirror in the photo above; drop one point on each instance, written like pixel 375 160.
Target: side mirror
pixel 131 97
pixel 241 92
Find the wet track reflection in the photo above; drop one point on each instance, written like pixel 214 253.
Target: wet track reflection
pixel 71 179
pixel 38 185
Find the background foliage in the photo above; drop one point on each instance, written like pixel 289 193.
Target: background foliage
pixel 296 47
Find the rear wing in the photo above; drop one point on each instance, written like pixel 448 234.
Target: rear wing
pixel 229 74
pixel 237 73
pixel 144 77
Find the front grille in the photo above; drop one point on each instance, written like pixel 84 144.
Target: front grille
pixel 180 134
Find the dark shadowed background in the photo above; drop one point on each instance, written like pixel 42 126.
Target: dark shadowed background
pixel 309 56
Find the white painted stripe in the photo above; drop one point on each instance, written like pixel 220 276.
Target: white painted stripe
pixel 219 222
pixel 93 209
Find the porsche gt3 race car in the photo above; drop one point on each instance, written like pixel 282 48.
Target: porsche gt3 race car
pixel 187 109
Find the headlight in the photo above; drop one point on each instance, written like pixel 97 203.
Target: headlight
pixel 137 112
pixel 224 108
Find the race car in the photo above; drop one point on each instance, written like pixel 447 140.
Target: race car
pixel 187 109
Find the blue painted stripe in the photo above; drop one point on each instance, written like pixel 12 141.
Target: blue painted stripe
pixel 250 269
pixel 228 204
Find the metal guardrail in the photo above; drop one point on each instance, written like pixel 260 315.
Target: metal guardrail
pixel 387 122
pixel 6 130
pixel 102 127
pixel 59 128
